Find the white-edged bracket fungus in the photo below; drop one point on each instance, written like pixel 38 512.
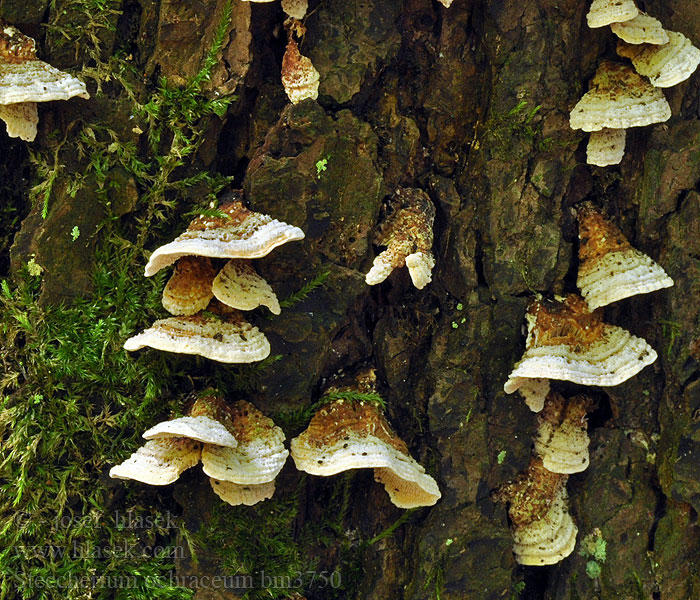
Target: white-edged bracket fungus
pixel 242 233
pixel 408 235
pixel 345 434
pixel 299 76
pixel 666 65
pixel 643 29
pixel 606 147
pixel 562 437
pixel 225 337
pixel 236 443
pixel 26 80
pixel 609 267
pixel 238 285
pixel 189 288
pixel 606 12
pixel 543 531
pixel 566 341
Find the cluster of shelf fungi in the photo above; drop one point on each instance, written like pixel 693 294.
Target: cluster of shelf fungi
pixel 242 450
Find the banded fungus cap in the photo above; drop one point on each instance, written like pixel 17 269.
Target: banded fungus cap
pixel 566 341
pixel 238 285
pixel 606 12
pixel 226 339
pixel 606 147
pixel 643 29
pixel 189 288
pixel 236 494
pixel 26 80
pixel 562 437
pixel 610 269
pixel 159 461
pixel 666 65
pixel 299 76
pixel 345 435
pixel 240 233
pixel 408 235
pixel 619 98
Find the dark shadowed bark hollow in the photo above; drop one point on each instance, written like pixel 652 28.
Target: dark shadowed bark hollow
pixel 469 104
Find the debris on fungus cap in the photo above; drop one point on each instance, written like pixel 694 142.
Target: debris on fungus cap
pixel 619 98
pixel 562 437
pixel 189 288
pixel 606 12
pixel 159 461
pixel 566 341
pixel 253 464
pixel 26 80
pixel 408 235
pixel 609 267
pixel 242 233
pixel 606 147
pixel 238 285
pixel 666 65
pixel 543 530
pixel 227 339
pixel 345 434
pixel 299 76
pixel 643 29
pixel 296 9
pixel 206 422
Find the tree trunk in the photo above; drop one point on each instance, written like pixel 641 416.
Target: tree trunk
pixel 468 103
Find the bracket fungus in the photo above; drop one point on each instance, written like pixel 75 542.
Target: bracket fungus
pixel 606 147
pixel 562 437
pixel 241 233
pixel 609 267
pixel 566 341
pixel 238 285
pixel 239 445
pixel 643 29
pixel 666 65
pixel 408 235
pixel 299 76
pixel 606 12
pixel 543 531
pixel 26 80
pixel 296 9
pixel 226 338
pixel 189 288
pixel 345 434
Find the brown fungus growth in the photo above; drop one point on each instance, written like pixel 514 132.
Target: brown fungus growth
pixel 610 269
pixel 619 98
pixel 299 76
pixel 238 233
pixel 238 285
pixel 189 288
pixel 543 531
pixel 26 80
pixel 562 437
pixel 606 12
pixel 408 234
pixel 345 434
pixel 566 341
pixel 665 65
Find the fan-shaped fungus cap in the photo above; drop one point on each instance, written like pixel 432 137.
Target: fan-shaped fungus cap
pixel 619 99
pixel 240 234
pixel 346 435
pixel 606 147
pixel 160 461
pixel 299 76
pixel 25 80
pixel 643 29
pixel 259 456
pixel 566 341
pixel 229 340
pixel 238 285
pixel 236 494
pixel 666 65
pixel 562 439
pixel 605 12
pixel 189 288
pixel 609 267
pixel 408 235
pixel 543 531
pixel 296 9
pixel 534 391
